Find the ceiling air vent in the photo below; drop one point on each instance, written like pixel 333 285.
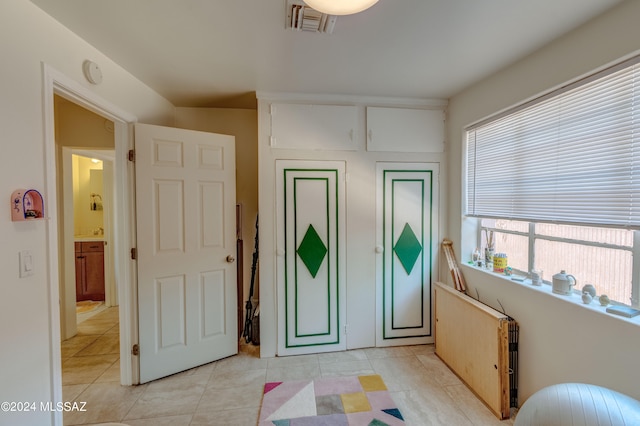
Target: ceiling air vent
pixel 301 17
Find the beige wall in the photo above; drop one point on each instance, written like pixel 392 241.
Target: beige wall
pixel 77 127
pixel 29 38
pixel 559 341
pixel 243 124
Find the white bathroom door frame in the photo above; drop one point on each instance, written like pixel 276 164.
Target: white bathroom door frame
pixel 54 82
pixel 111 290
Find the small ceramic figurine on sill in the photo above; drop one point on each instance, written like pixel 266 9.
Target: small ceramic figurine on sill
pixel 536 277
pixel 589 288
pixel 475 257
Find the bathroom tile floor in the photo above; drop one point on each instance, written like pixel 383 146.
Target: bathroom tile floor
pixel 228 392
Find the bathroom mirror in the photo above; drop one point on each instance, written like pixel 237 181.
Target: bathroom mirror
pixel 95 189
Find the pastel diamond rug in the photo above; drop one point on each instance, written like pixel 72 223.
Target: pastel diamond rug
pixel 334 401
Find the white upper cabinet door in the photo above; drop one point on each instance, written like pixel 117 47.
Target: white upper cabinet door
pixel 314 127
pixel 405 130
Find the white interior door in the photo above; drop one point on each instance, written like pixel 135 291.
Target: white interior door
pixel 311 251
pixel 185 207
pixel 407 232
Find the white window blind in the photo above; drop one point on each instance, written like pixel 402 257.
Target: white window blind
pixel 572 156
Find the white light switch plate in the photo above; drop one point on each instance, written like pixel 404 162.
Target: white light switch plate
pixel 26 263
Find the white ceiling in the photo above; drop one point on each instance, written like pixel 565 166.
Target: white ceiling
pixel 218 53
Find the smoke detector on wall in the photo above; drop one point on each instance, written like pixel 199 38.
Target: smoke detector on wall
pixel 300 17
pixel 92 72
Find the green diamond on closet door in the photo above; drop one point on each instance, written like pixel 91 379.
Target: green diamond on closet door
pixel 312 251
pixel 407 248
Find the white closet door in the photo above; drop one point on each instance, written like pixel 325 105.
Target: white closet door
pixel 310 213
pixel 407 237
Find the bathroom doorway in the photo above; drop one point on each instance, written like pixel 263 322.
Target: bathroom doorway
pixel 92 190
pixel 89 316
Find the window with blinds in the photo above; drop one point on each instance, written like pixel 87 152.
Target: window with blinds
pixel 572 156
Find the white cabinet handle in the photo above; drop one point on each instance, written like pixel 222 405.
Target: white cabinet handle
pixel 379 249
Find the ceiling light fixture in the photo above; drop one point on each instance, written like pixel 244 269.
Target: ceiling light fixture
pixel 340 7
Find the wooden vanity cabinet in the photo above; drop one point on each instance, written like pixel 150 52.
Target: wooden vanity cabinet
pixel 89 270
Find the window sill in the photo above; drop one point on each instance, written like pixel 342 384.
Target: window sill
pixel 545 288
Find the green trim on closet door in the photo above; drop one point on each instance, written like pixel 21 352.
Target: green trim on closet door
pixel 329 256
pixel 295 238
pixel 422 242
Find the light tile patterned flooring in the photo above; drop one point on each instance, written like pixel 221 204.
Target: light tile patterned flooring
pixel 228 392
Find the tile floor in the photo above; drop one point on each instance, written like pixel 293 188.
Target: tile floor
pixel 228 392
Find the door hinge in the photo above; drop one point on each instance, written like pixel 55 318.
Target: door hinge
pixel 134 253
pixel 132 155
pixel 135 350
pixel 346 329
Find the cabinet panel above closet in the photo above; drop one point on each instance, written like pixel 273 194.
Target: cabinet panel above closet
pixel 314 127
pixel 405 130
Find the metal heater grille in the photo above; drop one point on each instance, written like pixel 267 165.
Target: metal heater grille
pixel 514 331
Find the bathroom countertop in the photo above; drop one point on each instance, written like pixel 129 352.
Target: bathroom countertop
pixel 88 237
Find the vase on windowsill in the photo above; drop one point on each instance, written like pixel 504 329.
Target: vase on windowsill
pixel 488 257
pixel 488 254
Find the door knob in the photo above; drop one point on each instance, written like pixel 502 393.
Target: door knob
pixel 231 259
